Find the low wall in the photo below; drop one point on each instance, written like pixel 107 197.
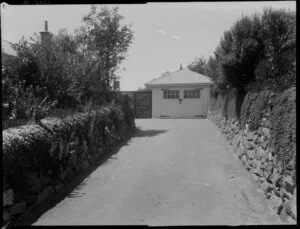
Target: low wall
pixel 262 132
pixel 39 159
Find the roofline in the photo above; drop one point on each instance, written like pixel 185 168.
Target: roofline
pixel 179 84
pixel 148 83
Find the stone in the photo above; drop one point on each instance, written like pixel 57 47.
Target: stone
pixel 73 160
pixel 46 181
pixel 18 208
pixel 37 186
pixel 8 197
pixel 244 158
pixel 266 132
pixel 275 177
pixel 255 177
pixel 263 120
pixel 250 136
pixel 258 172
pixel 31 199
pixel 6 215
pixel 58 187
pixel 72 152
pixel 266 187
pixel 283 215
pixel 68 174
pixel 251 154
pixel 289 184
pixel 248 146
pixel 269 167
pixel 48 191
pixel 264 144
pixel 266 174
pixel 256 139
pixel 73 144
pixel 275 202
pixel 93 149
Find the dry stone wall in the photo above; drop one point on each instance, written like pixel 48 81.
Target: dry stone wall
pixel 38 160
pixel 263 137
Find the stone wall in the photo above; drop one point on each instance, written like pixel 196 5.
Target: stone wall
pixel 263 137
pixel 39 159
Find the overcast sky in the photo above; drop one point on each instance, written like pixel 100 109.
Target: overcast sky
pixel 165 34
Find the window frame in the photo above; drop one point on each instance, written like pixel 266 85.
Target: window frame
pixel 192 93
pixel 171 93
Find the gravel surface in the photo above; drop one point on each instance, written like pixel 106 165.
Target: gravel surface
pixel 171 172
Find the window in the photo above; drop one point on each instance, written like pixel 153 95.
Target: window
pixel 191 94
pixel 170 94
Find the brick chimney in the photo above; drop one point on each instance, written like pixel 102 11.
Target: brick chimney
pixel 46 36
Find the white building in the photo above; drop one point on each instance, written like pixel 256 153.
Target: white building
pixel 181 94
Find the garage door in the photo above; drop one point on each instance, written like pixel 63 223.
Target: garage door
pixel 181 102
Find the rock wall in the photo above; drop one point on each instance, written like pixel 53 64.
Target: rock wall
pixel 262 132
pixel 39 159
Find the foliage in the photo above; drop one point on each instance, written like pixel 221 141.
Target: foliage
pixel 198 65
pixel 278 59
pixel 238 51
pixel 108 40
pixel 72 69
pixel 212 68
pixel 258 52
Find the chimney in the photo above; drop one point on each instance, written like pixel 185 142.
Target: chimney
pixel 46 36
pixel 180 66
pixel 46 26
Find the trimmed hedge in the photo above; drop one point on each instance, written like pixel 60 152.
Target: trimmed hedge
pixel 34 152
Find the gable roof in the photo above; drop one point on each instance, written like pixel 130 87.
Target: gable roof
pixel 6 47
pixel 182 76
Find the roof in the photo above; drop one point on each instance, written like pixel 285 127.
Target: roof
pixel 182 76
pixel 6 47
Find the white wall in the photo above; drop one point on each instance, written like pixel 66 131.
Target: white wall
pixel 157 100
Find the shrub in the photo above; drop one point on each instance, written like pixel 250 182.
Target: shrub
pixel 258 52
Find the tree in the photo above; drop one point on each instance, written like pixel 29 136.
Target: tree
pixel 198 65
pixel 239 50
pixel 278 59
pixel 107 41
pixel 211 69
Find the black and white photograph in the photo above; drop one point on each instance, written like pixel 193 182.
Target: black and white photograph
pixel 152 114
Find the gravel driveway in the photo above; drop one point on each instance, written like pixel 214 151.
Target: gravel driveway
pixel 171 172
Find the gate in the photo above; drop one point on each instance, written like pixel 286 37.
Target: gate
pixel 142 104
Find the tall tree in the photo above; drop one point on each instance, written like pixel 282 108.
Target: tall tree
pixel 109 39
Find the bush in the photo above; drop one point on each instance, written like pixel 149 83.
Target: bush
pixel 254 107
pixel 34 150
pixel 258 52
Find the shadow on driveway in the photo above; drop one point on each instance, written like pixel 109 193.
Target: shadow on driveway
pixel 69 190
pixel 73 189
pixel 148 133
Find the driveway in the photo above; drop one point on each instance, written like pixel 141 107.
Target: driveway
pixel 171 172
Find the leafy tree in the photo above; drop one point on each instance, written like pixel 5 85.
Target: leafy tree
pixel 239 50
pixel 277 63
pixel 108 41
pixel 198 65
pixel 212 68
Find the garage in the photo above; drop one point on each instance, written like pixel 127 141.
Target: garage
pixel 180 94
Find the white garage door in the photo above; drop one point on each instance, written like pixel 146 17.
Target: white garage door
pixel 181 102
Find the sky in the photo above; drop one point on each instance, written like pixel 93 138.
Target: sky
pixel 165 34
